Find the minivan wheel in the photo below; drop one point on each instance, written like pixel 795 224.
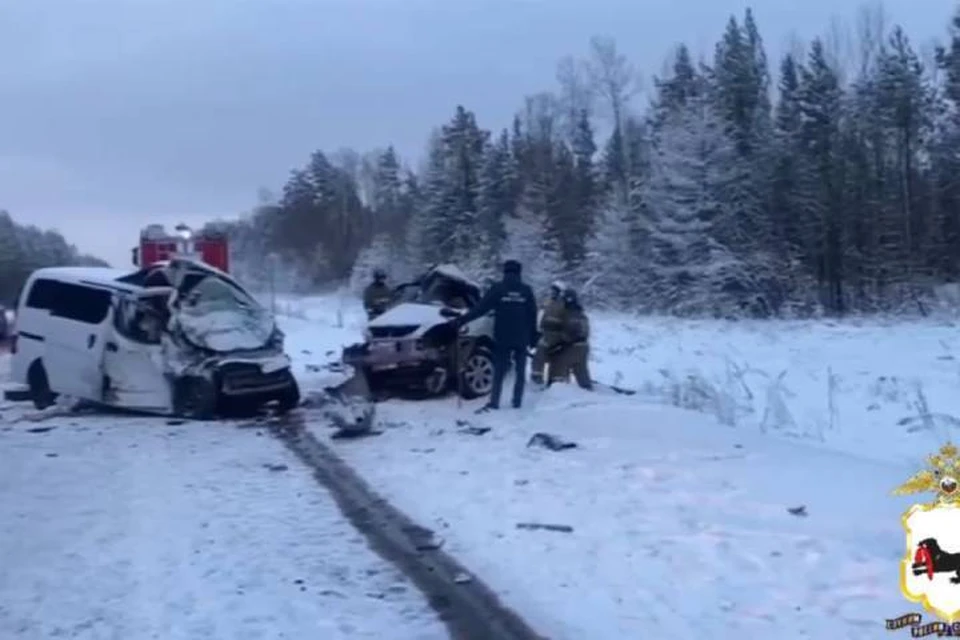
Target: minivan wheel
pixel 476 377
pixel 39 385
pixel 195 398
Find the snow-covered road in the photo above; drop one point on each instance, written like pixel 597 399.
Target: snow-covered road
pixel 134 529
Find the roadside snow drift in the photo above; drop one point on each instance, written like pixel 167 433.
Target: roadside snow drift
pixel 118 527
pixel 678 527
pixel 878 388
pixel 766 512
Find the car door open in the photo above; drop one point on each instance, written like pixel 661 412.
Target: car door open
pixel 133 355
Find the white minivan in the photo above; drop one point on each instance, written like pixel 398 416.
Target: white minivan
pixel 178 338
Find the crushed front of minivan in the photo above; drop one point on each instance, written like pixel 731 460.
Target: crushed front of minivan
pixel 222 350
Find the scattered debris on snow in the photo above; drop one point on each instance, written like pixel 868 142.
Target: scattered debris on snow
pixel 346 434
pixel 423 539
pixel 471 429
pixel 550 441
pixel 534 526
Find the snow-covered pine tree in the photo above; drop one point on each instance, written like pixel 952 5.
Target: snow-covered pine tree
pixel 945 154
pixel 296 228
pixel 464 143
pixel 379 254
pixel 527 242
pixel 740 95
pixel 494 201
pixel 26 248
pixel 673 91
pixel 428 234
pixel 393 208
pixel 906 100
pixel 790 179
pixel 447 225
pixel 561 205
pixel 820 98
pixel 691 270
pixel 587 191
pixel 387 193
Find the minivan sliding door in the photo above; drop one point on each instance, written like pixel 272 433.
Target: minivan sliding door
pixel 75 333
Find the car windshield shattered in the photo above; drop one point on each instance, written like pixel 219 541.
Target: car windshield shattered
pixel 437 289
pixel 217 315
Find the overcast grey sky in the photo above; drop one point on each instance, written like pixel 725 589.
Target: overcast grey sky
pixel 118 113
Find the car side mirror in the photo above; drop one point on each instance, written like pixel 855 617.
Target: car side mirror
pixel 447 312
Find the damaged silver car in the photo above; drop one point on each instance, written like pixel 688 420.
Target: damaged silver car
pixel 413 348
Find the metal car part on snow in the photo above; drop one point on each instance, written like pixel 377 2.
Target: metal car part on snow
pixel 413 346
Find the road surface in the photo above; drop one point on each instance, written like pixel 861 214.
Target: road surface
pixel 136 528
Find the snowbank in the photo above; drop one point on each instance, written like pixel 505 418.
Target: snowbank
pixel 764 513
pixel 679 527
pixel 876 388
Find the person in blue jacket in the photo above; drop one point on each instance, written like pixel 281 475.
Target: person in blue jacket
pixel 514 308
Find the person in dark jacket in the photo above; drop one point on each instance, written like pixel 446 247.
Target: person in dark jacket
pixel 514 308
pixel 378 295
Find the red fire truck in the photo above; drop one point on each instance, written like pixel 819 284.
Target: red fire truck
pixel 156 245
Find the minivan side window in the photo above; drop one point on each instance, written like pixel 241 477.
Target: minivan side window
pixel 83 304
pixel 42 294
pixel 73 301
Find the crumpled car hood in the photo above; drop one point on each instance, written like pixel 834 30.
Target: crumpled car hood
pixel 409 314
pixel 224 331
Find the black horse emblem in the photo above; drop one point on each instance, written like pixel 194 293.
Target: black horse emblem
pixel 930 559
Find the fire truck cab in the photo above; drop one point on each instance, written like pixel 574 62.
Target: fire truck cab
pixel 156 245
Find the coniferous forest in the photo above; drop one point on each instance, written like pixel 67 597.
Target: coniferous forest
pixel 827 181
pixel 26 248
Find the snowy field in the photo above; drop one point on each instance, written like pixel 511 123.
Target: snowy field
pixel 118 527
pixel 745 490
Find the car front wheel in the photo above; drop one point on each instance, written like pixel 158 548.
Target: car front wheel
pixel 195 398
pixel 476 377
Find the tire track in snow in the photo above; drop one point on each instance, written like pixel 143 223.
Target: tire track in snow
pixel 471 610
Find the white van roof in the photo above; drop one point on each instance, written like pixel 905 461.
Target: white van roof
pixel 106 276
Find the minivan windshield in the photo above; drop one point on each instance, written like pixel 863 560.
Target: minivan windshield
pixel 216 314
